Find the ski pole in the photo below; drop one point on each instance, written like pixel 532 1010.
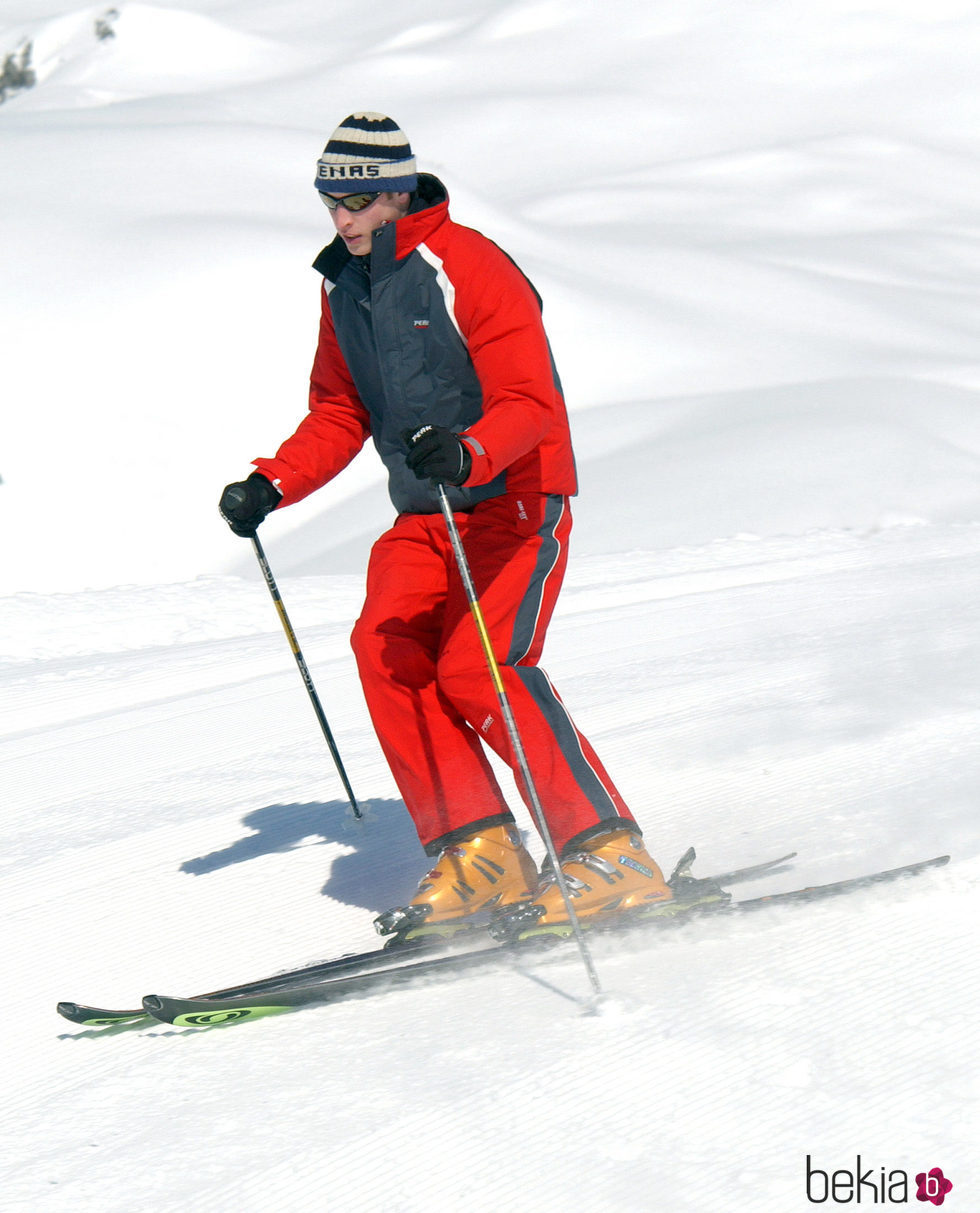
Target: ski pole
pixel 270 581
pixel 515 738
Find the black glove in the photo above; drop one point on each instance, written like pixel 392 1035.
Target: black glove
pixel 245 503
pixel 435 453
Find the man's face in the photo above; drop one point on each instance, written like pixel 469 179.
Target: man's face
pixel 355 227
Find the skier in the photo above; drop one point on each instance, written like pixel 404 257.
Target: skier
pixel 431 342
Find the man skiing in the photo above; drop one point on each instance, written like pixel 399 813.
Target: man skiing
pixel 431 343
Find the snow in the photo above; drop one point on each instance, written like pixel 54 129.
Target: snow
pixel 754 227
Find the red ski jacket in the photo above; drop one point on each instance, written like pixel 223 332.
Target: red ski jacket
pixel 437 325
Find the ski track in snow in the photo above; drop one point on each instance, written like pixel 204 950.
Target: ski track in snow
pixel 754 230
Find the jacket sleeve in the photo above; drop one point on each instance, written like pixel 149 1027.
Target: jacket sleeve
pixel 333 431
pixel 499 317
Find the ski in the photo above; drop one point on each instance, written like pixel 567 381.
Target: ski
pixel 86 1015
pixel 209 1012
pixel 292 994
pixel 816 892
pixel 90 1016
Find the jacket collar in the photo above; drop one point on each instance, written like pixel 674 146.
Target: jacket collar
pixel 429 209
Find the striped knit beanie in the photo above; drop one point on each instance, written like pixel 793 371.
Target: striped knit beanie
pixel 366 152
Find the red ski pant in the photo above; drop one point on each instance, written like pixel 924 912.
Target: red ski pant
pixel 428 687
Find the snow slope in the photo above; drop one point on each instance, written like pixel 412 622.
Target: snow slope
pixel 754 228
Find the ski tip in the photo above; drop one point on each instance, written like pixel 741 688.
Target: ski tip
pixel 210 1013
pixel 96 1017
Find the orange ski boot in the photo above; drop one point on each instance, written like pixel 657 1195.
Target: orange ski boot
pixel 611 875
pixel 491 868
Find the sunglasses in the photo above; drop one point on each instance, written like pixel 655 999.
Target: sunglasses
pixel 350 202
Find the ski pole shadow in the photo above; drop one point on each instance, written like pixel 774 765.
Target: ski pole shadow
pixel 381 864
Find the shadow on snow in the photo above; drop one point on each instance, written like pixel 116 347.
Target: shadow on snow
pixel 382 868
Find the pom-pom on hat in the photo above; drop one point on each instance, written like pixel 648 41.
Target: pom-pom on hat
pixel 366 152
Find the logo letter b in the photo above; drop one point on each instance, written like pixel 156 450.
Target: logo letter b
pixel 811 1175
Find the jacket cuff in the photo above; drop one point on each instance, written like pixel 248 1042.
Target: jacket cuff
pixel 479 472
pixel 282 484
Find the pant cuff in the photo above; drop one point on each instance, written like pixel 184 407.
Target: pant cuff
pixel 435 847
pixel 603 827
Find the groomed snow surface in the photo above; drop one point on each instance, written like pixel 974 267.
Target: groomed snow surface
pixel 755 230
